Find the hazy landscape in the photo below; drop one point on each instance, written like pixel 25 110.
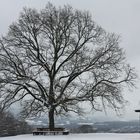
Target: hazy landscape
pixel 69 70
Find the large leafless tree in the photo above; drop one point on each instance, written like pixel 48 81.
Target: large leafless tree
pixel 55 59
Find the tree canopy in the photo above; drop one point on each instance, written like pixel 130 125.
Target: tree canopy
pixel 54 59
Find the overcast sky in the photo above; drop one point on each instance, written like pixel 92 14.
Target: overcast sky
pixel 119 16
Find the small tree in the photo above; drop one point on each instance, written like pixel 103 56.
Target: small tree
pixel 56 59
pixel 7 124
pixel 10 126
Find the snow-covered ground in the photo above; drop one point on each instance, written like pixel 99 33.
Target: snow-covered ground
pixel 95 136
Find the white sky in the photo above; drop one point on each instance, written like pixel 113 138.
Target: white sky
pixel 119 16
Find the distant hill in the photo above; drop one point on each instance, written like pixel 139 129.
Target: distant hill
pixel 76 125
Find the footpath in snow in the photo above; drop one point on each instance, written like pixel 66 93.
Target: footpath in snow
pixel 95 136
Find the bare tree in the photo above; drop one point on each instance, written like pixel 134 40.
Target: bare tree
pixel 10 126
pixel 56 59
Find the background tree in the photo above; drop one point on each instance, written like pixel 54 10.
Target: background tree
pixel 56 59
pixel 10 126
pixel 7 124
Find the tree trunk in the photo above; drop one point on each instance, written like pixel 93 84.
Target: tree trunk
pixel 51 119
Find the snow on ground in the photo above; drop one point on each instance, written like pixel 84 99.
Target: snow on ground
pixel 95 136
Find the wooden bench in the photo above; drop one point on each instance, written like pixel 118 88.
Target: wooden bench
pixel 47 131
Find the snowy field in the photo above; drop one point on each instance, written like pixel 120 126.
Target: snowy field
pixel 95 136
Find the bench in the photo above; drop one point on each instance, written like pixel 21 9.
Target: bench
pixel 47 131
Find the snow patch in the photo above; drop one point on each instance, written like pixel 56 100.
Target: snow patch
pixel 93 136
